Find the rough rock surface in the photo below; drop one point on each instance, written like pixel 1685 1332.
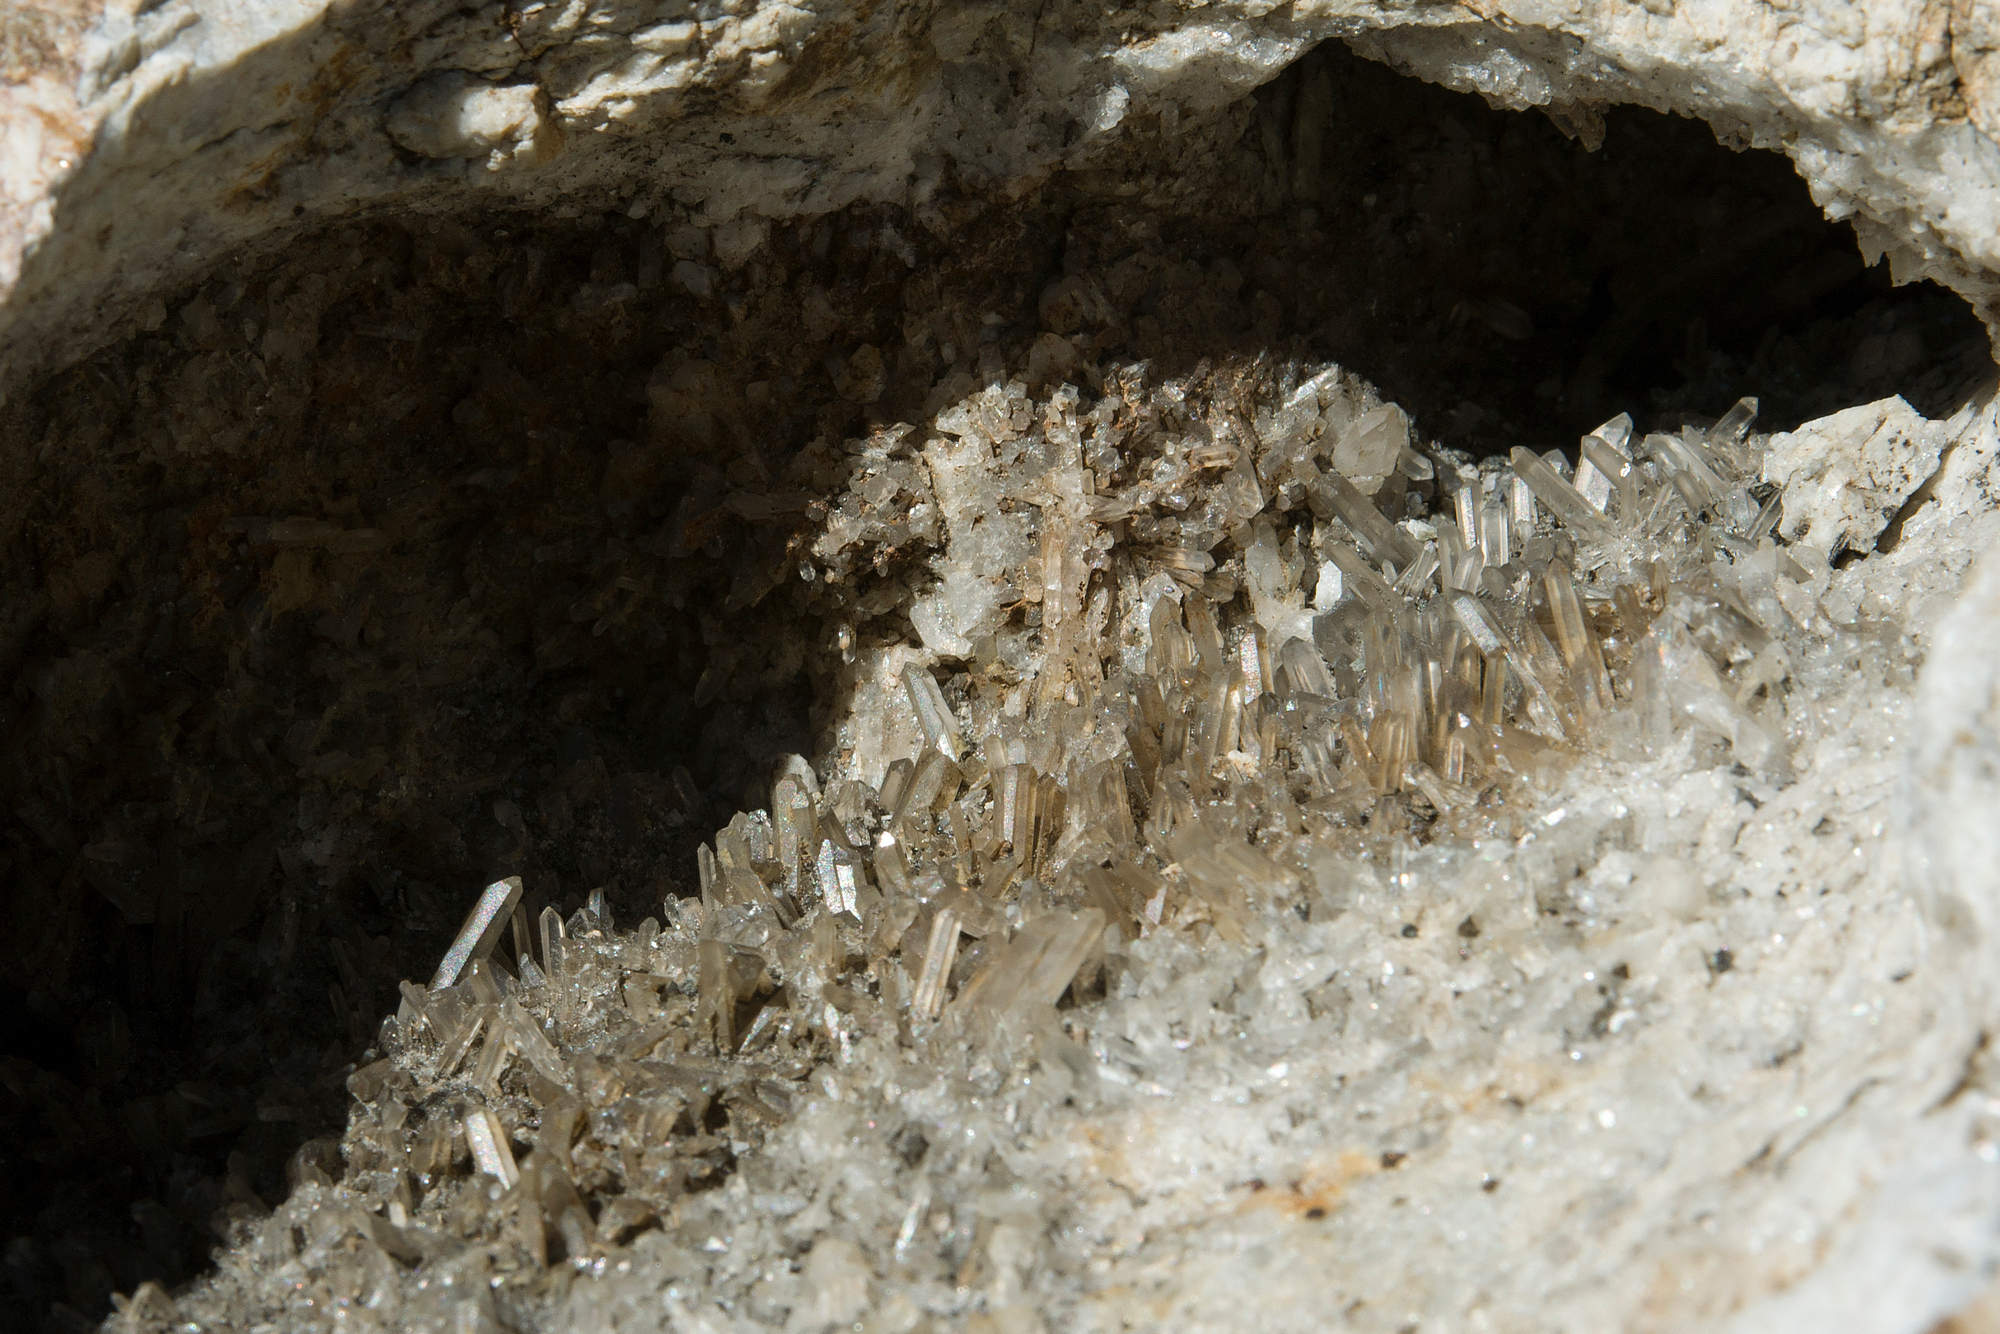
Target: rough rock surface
pixel 1847 493
pixel 214 126
pixel 1845 1180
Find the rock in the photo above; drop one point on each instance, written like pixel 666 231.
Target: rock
pixel 455 114
pixel 144 142
pixel 1955 771
pixel 1852 472
pixel 1753 928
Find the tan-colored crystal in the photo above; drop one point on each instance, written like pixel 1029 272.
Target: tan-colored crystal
pixel 1561 498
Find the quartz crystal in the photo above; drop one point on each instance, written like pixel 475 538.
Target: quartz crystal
pixel 1303 893
pixel 488 1138
pixel 483 926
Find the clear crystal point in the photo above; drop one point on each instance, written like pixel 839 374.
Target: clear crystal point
pixel 1562 499
pixel 940 729
pixel 1735 422
pixel 480 932
pixel 491 1152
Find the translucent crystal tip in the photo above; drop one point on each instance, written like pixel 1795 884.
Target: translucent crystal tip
pixel 481 931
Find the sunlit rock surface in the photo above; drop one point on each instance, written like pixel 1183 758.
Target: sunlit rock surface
pixel 143 142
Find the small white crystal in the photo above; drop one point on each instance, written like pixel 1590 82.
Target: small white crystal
pixel 1326 592
pixel 1368 449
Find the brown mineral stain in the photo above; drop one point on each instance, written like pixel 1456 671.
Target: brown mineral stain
pixel 42 39
pixel 1981 1317
pixel 1318 1190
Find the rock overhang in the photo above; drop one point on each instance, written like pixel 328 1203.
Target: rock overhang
pixel 151 142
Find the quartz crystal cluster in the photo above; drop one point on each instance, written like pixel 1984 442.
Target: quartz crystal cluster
pixel 1282 870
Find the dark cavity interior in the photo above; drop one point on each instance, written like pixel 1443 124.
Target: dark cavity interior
pixel 425 551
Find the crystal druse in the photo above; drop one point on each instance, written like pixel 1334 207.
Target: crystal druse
pixel 1263 868
pixel 1292 869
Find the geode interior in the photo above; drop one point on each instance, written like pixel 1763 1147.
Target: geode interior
pixel 1022 680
